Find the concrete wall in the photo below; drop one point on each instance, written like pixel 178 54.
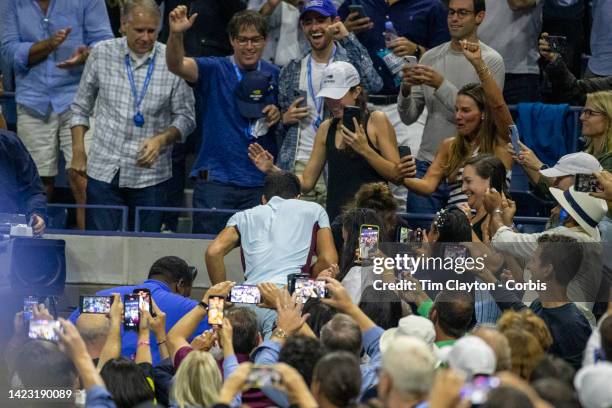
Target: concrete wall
pixel 118 260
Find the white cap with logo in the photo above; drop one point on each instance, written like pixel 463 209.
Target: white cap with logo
pixel 571 164
pixel 338 78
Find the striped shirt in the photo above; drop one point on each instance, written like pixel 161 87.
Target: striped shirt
pixel 169 101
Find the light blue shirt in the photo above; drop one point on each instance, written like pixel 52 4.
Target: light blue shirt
pixel 276 238
pixel 44 87
pixel 600 62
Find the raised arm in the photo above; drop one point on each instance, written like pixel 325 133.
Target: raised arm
pixel 435 173
pixel 495 98
pixel 112 346
pixel 317 160
pixel 176 61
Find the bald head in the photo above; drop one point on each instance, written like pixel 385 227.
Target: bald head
pixel 94 329
pixel 499 343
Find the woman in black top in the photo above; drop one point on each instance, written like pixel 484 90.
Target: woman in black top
pixel 369 154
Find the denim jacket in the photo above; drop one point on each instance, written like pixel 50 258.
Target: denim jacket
pixel 349 50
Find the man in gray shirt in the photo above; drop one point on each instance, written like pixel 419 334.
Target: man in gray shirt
pixel 435 82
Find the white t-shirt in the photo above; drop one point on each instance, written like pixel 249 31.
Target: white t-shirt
pixel 276 238
pixel 307 132
pixel 514 34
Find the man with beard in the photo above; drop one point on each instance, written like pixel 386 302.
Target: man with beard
pixel 300 81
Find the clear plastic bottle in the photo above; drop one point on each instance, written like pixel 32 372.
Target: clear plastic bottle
pixel 393 62
pixel 390 33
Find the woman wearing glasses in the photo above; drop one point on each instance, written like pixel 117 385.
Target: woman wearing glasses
pixel 596 119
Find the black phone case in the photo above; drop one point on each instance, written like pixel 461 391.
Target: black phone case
pixel 350 112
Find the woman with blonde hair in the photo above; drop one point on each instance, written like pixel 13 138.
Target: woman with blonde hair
pixel 482 118
pixel 197 381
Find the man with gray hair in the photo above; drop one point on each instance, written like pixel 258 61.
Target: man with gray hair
pixel 407 375
pixel 141 110
pixel 94 329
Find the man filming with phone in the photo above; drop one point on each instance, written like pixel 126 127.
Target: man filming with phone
pixel 300 81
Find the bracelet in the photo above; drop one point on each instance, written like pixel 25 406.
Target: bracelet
pixel 484 69
pixel 203 305
pixel 498 211
pixel 143 343
pixel 159 343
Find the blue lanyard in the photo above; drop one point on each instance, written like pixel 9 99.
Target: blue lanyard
pixel 138 98
pixel 317 101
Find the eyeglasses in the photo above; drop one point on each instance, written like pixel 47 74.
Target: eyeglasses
pixel 461 12
pixel 244 41
pixel 590 112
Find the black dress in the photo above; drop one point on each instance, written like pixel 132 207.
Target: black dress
pixel 347 172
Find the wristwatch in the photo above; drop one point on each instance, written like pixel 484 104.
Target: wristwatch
pixel 279 333
pixel 203 305
pixel 543 167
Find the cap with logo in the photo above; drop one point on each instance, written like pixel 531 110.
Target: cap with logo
pixel 572 164
pixel 338 78
pixel 325 8
pixel 254 93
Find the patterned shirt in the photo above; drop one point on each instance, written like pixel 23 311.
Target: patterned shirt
pixel 349 50
pixel 116 141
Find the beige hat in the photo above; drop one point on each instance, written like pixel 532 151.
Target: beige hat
pixel 586 210
pixel 415 326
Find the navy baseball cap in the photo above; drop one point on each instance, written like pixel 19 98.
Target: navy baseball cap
pixel 324 7
pixel 255 92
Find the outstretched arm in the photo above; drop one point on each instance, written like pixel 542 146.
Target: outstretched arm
pixel 177 63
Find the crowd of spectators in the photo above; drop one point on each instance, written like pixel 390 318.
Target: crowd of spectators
pixel 315 122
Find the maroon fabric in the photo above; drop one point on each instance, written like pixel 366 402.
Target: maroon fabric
pixel 253 398
pixel 313 250
pixel 180 355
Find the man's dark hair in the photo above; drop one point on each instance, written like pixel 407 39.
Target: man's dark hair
pixel 563 253
pixel 244 327
pixel 553 367
pixel 342 333
pixel 455 312
pixel 319 314
pixel 507 397
pixel 558 393
pixel 40 364
pixel 339 377
pixel 173 269
pixel 247 18
pixel 605 330
pixel 479 5
pixel 126 382
pixel 302 353
pixel 383 307
pixel 281 184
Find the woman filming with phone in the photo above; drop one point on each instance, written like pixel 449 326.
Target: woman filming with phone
pixel 483 121
pixel 343 141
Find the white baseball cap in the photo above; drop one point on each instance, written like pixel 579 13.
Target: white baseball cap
pixel 586 210
pixel 338 78
pixel 415 326
pixel 472 356
pixel 574 163
pixel 593 385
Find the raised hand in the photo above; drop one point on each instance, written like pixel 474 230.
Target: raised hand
pixel 472 52
pixel 77 58
pixel 337 31
pixel 179 22
pixel 544 48
pixel 261 158
pixel 605 180
pixel 357 25
pixel 403 47
pixel 59 37
pixel 295 113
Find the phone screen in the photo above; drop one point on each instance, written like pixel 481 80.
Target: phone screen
pixel 368 241
pixel 29 303
pixel 44 329
pixel 350 112
pixel 514 137
pixel 586 183
pixel 131 311
pixel 145 300
pixel 557 43
pixel 245 294
pixel 404 151
pixel 477 390
pixel 455 251
pixel 260 377
pixel 307 288
pixel 96 304
pixel 215 310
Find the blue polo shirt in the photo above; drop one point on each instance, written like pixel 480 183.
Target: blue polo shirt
pixel 421 21
pixel 175 306
pixel 224 149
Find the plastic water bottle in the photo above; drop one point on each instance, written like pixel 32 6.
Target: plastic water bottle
pixel 390 33
pixel 393 62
